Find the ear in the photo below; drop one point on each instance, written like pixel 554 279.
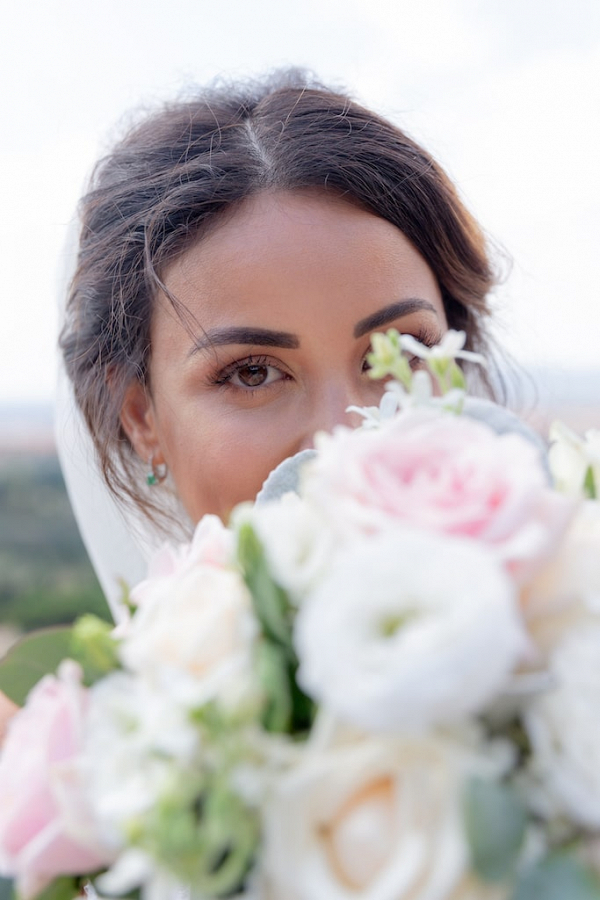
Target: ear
pixel 139 423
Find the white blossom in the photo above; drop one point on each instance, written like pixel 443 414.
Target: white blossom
pixel 563 727
pixel 409 629
pixel 571 457
pixel 450 347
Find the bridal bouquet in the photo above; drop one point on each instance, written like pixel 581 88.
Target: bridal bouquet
pixel 383 685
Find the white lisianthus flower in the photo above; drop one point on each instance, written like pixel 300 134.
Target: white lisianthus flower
pixel 450 347
pixel 562 724
pixel 409 629
pixel 396 397
pixel 379 819
pixel 571 457
pixel 136 737
pixel 194 632
pixel 299 546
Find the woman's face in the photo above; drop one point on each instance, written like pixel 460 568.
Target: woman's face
pixel 286 294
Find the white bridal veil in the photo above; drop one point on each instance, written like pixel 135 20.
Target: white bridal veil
pixel 118 545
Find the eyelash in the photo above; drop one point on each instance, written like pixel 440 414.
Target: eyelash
pixel 429 338
pixel 223 377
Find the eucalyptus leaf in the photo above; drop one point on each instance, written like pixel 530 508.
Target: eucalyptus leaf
pixel 27 661
pixel 560 876
pixel 6 889
pixel 495 822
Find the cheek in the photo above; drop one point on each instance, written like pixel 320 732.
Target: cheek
pixel 219 461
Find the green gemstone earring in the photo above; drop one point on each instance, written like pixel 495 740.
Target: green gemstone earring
pixel 157 472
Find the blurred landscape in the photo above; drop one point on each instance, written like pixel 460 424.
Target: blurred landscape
pixel 45 575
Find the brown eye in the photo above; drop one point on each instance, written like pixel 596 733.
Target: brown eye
pixel 253 375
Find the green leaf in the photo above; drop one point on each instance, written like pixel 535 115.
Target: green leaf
pixel 457 378
pixel 34 656
pixel 495 822
pixel 303 707
pixel 93 646
pixel 271 603
pixel 560 876
pixel 589 485
pixel 272 666
pixel 64 888
pixel 6 889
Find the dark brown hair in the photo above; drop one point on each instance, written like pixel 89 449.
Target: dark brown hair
pixel 176 173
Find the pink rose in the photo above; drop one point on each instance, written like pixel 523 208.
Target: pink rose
pixel 444 473
pixel 45 826
pixel 212 545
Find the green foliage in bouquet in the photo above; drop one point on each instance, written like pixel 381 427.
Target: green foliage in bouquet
pixel 89 642
pixel 287 709
pixel 30 659
pixel 590 488
pixel 203 833
pixel 558 876
pixel 495 823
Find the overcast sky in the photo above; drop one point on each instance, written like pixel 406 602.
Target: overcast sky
pixel 506 94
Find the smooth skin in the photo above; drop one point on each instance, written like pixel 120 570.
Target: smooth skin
pixel 286 293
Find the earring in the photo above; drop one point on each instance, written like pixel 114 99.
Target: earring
pixel 157 472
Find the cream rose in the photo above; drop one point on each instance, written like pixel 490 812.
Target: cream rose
pixel 377 819
pixel 194 631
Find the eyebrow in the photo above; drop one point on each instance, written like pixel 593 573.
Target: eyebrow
pixel 265 337
pixel 262 337
pixel 390 313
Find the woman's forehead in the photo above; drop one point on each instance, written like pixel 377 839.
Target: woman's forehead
pixel 278 251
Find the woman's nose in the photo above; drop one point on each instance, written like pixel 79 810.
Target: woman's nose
pixel 330 408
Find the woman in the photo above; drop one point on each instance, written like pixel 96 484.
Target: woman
pixel 237 251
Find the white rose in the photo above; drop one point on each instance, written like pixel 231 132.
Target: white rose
pixel 194 632
pixel 135 737
pixel 409 629
pixel 563 726
pixel 571 456
pixel 379 819
pixel 298 544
